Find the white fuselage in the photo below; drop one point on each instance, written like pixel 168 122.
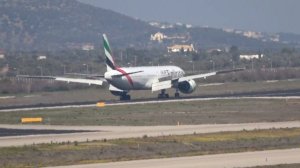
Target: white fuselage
pixel 141 78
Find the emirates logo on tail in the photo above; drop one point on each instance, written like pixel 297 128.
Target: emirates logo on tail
pixel 110 63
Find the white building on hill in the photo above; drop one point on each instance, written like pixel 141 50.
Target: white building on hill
pixel 88 47
pixel 41 57
pixel 158 37
pixel 250 57
pixel 181 48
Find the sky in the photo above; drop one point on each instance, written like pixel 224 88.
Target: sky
pixel 255 15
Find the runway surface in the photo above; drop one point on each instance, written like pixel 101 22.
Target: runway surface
pixel 280 94
pixel 230 160
pixel 19 135
pixel 118 103
pixel 114 132
pixel 19 132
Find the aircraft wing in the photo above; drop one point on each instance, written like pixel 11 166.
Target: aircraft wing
pixel 77 80
pixel 161 85
pixel 198 76
pixel 166 83
pixel 86 75
pixel 66 79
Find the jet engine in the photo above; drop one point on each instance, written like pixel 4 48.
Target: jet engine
pixel 187 86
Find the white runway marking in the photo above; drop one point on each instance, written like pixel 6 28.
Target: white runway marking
pixel 7 97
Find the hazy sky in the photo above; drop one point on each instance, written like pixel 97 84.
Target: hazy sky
pixel 258 15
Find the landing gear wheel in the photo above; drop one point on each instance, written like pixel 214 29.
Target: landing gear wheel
pixel 177 95
pixel 125 97
pixel 163 95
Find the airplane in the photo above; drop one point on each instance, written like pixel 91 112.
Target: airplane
pixel 121 80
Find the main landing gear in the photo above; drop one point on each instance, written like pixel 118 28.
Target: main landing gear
pixel 163 94
pixel 177 94
pixel 125 97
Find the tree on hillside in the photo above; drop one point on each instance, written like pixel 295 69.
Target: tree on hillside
pixel 235 53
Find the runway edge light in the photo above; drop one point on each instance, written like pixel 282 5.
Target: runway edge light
pixel 31 120
pixel 100 104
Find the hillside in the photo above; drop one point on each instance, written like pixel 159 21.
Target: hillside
pixel 62 24
pixel 56 24
pixel 217 38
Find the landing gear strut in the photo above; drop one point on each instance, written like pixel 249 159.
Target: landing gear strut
pixel 177 94
pixel 163 94
pixel 125 97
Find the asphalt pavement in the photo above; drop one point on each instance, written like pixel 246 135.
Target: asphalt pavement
pixel 229 160
pixel 115 132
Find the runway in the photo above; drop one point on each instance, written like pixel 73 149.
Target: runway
pixel 230 160
pixel 22 132
pixel 114 132
pixel 119 103
pixel 280 94
pixel 36 134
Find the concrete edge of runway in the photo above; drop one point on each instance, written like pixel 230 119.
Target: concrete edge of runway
pixel 279 124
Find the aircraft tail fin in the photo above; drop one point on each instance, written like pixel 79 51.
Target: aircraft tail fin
pixel 109 60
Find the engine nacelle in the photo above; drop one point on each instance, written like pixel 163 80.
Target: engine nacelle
pixel 187 86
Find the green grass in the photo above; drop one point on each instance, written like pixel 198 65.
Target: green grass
pixel 196 112
pixel 148 147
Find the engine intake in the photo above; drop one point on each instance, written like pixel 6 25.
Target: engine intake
pixel 187 87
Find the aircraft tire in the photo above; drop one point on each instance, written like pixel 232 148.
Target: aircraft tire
pixel 125 97
pixel 163 96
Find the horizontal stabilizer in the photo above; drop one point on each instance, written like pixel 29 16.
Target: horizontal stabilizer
pixel 73 80
pixel 35 77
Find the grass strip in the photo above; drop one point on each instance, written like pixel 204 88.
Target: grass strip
pixel 196 112
pixel 68 153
